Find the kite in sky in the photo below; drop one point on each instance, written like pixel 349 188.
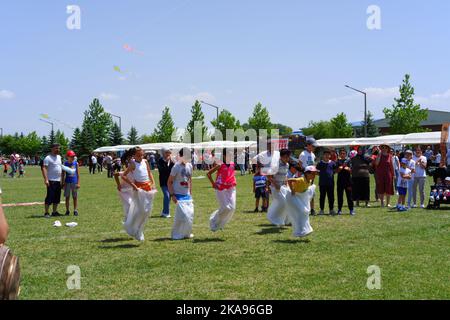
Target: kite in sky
pixel 130 49
pixel 47 117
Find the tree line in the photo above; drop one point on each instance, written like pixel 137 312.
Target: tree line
pixel 98 128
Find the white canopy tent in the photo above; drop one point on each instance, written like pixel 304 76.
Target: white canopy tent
pixel 413 138
pixel 178 146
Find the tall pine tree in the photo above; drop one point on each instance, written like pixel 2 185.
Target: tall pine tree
pixel 372 129
pixel 133 137
pixel 75 143
pixel 197 116
pixel 165 127
pixel 115 137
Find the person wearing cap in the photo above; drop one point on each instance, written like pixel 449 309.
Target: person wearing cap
pixel 52 173
pixel 411 164
pixel 308 158
pixel 402 184
pixel 299 201
pixel 384 175
pixel 71 183
pixel 165 165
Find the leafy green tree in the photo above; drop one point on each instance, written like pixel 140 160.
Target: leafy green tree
pixel 45 145
pixel 225 121
pixel 283 129
pixel 165 127
pixel 340 127
pixel 405 115
pixel 149 139
pixel 260 119
pixel 133 137
pixel 32 145
pixel 197 116
pixel 115 137
pixel 318 129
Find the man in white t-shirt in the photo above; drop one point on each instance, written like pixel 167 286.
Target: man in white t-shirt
pixel 52 172
pixel 419 177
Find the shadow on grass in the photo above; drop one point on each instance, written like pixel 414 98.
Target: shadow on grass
pixel 121 246
pixel 163 239
pixel 113 240
pixel 272 230
pixel 207 240
pixel 292 241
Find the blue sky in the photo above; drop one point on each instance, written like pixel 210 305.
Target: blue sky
pixel 294 56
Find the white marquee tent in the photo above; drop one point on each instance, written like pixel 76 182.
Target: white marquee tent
pixel 413 138
pixel 178 146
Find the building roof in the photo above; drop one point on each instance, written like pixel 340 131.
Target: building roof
pixel 435 117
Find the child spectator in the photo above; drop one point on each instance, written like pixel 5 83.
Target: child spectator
pixel 21 168
pixel 260 189
pixel 326 169
pixel 405 175
pixel 71 183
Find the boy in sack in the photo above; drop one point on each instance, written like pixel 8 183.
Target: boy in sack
pixel 71 183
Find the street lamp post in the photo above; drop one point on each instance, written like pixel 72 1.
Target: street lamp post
pixel 365 107
pixel 50 123
pixel 211 105
pixel 120 121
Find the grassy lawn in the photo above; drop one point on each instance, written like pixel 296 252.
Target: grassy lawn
pixel 248 260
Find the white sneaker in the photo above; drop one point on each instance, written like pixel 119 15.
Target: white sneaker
pixel 352 212
pixel 422 206
pixel 414 206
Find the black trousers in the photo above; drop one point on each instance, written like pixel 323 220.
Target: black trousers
pixel 341 188
pixel 110 170
pixel 327 191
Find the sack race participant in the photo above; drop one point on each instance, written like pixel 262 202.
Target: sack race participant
pixel 277 214
pixel 225 186
pixel 180 189
pixel 141 202
pixel 299 202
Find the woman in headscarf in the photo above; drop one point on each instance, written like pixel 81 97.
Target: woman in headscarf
pixel 361 177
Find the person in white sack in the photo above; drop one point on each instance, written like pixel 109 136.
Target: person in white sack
pixel 299 201
pixel 225 186
pixel 141 205
pixel 277 214
pixel 180 189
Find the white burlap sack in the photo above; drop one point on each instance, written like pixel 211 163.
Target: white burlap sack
pixel 227 203
pixel 184 219
pixel 276 213
pixel 298 209
pixel 139 211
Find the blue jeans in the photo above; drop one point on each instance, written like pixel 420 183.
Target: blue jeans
pixel 410 192
pixel 166 203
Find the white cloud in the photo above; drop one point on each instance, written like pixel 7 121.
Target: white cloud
pixel 6 94
pixel 190 98
pixel 108 96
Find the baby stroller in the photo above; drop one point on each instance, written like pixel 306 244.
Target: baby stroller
pixel 438 196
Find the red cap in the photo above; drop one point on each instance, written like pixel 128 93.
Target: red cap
pixel 70 153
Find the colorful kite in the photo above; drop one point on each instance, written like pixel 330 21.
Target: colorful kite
pixel 130 49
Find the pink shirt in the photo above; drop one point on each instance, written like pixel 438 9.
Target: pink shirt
pixel 225 177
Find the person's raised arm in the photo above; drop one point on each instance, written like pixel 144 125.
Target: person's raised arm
pixel 210 173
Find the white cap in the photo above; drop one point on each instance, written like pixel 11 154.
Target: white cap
pixel 311 169
pixel 447 179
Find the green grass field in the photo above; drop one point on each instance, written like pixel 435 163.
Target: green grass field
pixel 250 259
